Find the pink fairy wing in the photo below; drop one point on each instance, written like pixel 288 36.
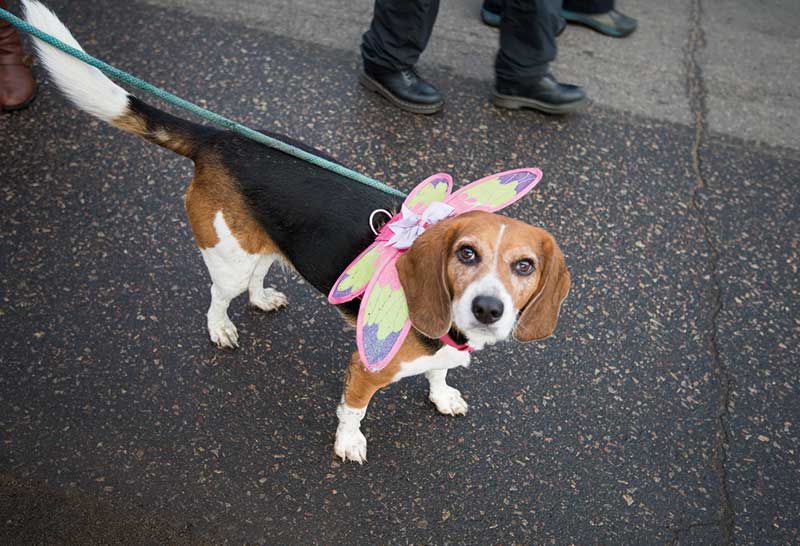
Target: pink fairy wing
pixel 383 322
pixel 356 276
pixel 434 188
pixel 495 192
pixel 354 279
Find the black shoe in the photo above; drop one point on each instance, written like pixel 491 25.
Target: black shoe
pixel 612 23
pixel 544 94
pixel 405 89
pixel 490 17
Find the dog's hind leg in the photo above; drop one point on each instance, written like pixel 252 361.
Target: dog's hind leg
pixel 266 299
pixel 236 250
pixel 229 279
pixel 220 328
pixel 231 269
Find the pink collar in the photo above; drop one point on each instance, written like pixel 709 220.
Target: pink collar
pixel 447 340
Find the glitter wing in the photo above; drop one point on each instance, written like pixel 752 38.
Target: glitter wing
pixel 354 279
pixel 434 188
pixel 356 276
pixel 495 192
pixel 383 322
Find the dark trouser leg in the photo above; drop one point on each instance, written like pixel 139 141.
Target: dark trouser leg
pixel 399 33
pixel 495 6
pixel 589 6
pixel 527 39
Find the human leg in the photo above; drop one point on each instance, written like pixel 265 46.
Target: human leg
pixel 527 46
pixel 397 36
pixel 17 88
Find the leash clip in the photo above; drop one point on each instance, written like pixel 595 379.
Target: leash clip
pixel 372 216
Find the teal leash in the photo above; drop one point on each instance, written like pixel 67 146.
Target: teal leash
pixel 197 110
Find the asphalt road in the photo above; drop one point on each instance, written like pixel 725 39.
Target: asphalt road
pixel 664 410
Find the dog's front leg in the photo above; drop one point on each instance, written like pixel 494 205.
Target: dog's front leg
pixel 447 399
pixel 359 387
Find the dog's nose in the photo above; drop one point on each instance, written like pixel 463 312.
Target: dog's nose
pixel 487 309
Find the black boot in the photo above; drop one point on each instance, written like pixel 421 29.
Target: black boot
pixel 17 88
pixel 611 23
pixel 403 88
pixel 544 94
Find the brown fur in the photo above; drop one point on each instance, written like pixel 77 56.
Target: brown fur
pixel 361 384
pixel 133 123
pixel 538 295
pixel 423 275
pixel 213 190
pixel 540 315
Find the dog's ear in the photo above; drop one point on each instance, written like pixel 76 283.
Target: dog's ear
pixel 538 318
pixel 423 275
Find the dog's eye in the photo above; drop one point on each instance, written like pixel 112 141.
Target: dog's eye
pixel 467 255
pixel 523 267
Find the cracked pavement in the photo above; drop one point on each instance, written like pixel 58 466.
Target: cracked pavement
pixel 697 92
pixel 663 411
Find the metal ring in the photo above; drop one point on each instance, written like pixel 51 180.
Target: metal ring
pixel 371 216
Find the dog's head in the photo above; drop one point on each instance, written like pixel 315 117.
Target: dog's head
pixel 489 275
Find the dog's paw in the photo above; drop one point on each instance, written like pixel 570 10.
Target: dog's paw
pixel 351 445
pixel 223 333
pixel 448 401
pixel 269 300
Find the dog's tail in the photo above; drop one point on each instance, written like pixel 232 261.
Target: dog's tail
pixel 91 91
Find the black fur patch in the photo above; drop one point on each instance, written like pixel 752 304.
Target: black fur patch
pixel 432 345
pixel 456 335
pixel 318 219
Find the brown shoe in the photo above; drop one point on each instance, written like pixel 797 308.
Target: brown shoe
pixel 17 88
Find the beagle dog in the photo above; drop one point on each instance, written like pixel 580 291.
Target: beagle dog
pixel 480 277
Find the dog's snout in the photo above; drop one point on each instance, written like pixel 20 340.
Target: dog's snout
pixel 487 309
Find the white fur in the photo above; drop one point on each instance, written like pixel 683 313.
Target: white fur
pixel 266 299
pixel 477 333
pixel 445 358
pixel 447 399
pixel 350 443
pixel 497 246
pixel 87 87
pixel 233 271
